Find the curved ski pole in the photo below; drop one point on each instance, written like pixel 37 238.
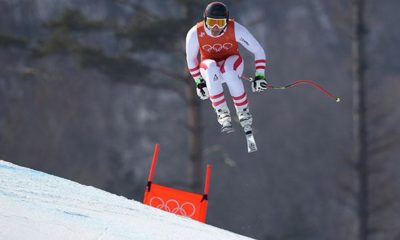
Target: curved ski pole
pixel 309 82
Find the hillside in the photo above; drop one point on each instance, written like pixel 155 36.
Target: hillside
pixel 35 205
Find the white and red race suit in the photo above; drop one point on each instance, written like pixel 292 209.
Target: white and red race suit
pixel 221 61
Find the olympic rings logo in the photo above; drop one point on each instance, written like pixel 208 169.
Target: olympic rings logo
pixel 217 47
pixel 187 209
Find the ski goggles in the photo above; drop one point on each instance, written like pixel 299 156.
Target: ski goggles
pixel 220 22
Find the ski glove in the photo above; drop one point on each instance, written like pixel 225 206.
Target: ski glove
pixel 201 88
pixel 259 83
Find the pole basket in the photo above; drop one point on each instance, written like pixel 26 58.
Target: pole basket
pixel 183 203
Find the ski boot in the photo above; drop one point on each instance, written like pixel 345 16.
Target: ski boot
pixel 227 127
pixel 224 118
pixel 245 118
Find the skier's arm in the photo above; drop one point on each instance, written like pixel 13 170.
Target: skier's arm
pixel 247 40
pixel 244 37
pixel 192 50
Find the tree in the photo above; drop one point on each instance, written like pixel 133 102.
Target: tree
pixel 140 37
pixel 374 186
pixel 360 115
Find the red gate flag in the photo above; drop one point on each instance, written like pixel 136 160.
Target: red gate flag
pixel 187 204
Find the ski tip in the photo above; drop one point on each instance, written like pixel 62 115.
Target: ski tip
pixel 338 100
pixel 252 150
pixel 228 131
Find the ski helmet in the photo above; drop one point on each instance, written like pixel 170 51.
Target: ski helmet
pixel 216 10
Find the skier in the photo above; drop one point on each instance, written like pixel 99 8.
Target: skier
pixel 217 38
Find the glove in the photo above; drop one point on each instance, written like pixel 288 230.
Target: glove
pixel 259 83
pixel 201 89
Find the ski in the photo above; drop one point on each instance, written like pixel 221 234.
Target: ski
pixel 251 142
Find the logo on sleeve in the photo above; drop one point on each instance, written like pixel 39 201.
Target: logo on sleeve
pixel 244 41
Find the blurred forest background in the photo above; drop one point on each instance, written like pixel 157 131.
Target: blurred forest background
pixel 87 87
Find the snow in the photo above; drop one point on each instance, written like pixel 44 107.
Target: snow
pixel 35 205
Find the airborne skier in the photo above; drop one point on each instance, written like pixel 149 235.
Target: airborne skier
pixel 217 38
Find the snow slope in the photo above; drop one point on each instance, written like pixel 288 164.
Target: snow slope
pixel 35 205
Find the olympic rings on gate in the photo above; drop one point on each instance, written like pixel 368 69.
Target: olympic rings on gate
pixel 217 47
pixel 173 206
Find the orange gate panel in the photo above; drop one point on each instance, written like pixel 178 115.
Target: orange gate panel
pixel 183 203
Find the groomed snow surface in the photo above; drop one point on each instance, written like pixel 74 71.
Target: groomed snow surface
pixel 39 206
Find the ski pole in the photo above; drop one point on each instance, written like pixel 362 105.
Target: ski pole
pixel 309 82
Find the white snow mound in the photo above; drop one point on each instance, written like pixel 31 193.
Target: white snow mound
pixel 39 206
